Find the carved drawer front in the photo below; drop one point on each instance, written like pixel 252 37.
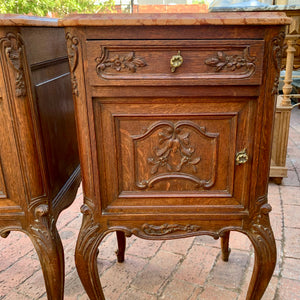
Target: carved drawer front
pixel 183 62
pixel 183 151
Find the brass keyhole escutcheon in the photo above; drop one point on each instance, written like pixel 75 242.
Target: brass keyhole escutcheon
pixel 241 157
pixel 176 61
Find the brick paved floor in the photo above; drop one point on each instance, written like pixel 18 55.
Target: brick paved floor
pixel 180 269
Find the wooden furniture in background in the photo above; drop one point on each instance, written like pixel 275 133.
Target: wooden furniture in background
pixel 174 115
pixel 39 164
pixel 290 62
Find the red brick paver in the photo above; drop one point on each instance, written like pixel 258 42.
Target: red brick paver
pixel 186 269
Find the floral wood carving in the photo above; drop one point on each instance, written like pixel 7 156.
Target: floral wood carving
pixel 174 156
pixel 160 231
pixel 172 139
pixel 277 48
pixel 72 47
pixel 168 228
pixel 223 61
pixel 12 47
pixel 118 62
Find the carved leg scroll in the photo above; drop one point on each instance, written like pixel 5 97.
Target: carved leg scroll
pixel 121 246
pixel 47 243
pixel 262 238
pixel 86 252
pixel 225 246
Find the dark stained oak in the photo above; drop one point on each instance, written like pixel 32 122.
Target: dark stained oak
pixel 174 116
pixel 39 163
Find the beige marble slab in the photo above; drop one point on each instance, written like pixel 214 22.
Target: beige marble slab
pixel 220 18
pixel 24 20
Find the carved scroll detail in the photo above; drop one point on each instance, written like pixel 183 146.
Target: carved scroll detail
pixel 43 228
pixel 89 230
pixel 164 231
pixel 45 237
pixel 12 47
pixel 260 228
pixel 223 61
pixel 72 43
pixel 118 62
pixel 4 233
pixel 174 140
pixel 168 228
pixel 277 49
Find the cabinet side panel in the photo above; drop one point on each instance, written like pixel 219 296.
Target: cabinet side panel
pixel 56 115
pixel 53 102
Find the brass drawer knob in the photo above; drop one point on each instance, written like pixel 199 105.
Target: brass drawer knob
pixel 241 157
pixel 176 61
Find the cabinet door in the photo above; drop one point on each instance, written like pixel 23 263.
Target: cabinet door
pixel 173 153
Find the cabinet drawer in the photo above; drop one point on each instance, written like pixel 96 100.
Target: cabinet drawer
pixel 148 62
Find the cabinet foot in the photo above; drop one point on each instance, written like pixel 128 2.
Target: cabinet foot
pixel 277 180
pixel 47 242
pixel 261 235
pixel 86 252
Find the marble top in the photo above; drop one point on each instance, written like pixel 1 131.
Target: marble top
pixel 218 18
pixel 24 20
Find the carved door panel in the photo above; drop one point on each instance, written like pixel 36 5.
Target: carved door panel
pixel 172 153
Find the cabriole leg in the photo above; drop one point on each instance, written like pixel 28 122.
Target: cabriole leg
pixel 89 238
pixel 225 246
pixel 261 235
pixel 47 243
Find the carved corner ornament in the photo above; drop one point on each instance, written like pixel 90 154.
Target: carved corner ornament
pixel 223 61
pixel 12 50
pixel 72 48
pixel 118 62
pixel 277 51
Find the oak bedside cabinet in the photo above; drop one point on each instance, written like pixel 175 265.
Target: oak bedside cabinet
pixel 39 163
pixel 174 115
